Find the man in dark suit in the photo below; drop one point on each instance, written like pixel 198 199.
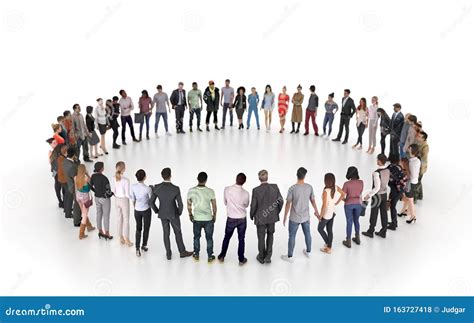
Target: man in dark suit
pixel 71 208
pixel 347 111
pixel 179 104
pixel 265 208
pixel 396 126
pixel 171 207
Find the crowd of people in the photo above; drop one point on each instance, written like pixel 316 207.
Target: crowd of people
pixel 396 178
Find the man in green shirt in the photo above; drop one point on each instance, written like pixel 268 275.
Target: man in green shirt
pixel 195 106
pixel 202 210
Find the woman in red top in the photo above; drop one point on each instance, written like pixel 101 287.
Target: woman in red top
pixel 283 102
pixel 146 106
pixel 57 130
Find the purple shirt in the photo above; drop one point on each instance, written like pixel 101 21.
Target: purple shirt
pixel 353 190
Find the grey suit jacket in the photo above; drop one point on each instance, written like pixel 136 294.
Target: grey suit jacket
pixel 70 170
pixel 169 196
pixel 266 204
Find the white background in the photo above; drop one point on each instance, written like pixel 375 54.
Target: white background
pixel 57 53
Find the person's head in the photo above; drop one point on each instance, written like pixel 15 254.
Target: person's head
pixel 195 86
pixel 283 89
pixel 362 103
pixel 115 99
pixel 71 152
pixel 67 114
pixel 64 150
pixel 268 89
pixel 166 173
pixel 119 170
pixel 412 119
pixel 89 109
pixel 381 159
pixel 100 101
pixel 263 175
pixel 405 164
pixel 414 150
pixel 394 159
pixel 240 179
pixel 331 96
pixel 375 100
pixel 52 142
pixel 352 173
pixel 330 182
pixel 202 178
pixel 241 90
pixel 108 102
pixel 60 119
pixel 299 88
pixel 312 88
pixel 81 176
pixel 423 136
pixel 145 94
pixel 180 85
pixel 140 175
pixel 98 167
pixel 76 108
pixel 123 94
pixel 347 92
pixel 159 88
pixel 397 107
pixel 227 82
pixel 211 85
pixel 56 127
pixel 301 173
pixel 381 112
pixel 254 90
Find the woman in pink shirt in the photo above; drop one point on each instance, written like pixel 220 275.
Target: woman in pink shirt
pixel 145 105
pixel 352 204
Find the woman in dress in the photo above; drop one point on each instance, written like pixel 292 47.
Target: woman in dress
pixel 297 113
pixel 122 203
pixel 373 124
pixel 268 103
pixel 145 105
pixel 83 198
pixel 102 114
pixel 283 102
pixel 362 120
pixel 93 138
pixel 384 127
pixel 240 105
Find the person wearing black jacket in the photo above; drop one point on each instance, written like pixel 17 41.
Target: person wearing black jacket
pixel 100 185
pixel 179 104
pixel 396 184
pixel 384 127
pixel 240 105
pixel 114 107
pixel 347 111
pixel 396 126
pixel 211 98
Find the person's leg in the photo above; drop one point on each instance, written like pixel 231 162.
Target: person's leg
pixel 346 127
pixel 126 220
pixel 191 115
pixel 124 127
pixel 321 226
pixel 231 113
pixel 383 213
pixel 119 211
pixel 229 231
pixel 325 122
pixel 307 235
pixel 292 230
pixel 261 228
pixel 157 121
pixel 99 213
pixel 348 210
pixel 382 143
pixel 141 129
pixel 208 117
pixel 68 200
pixel 313 121
pixel 138 231
pixel 331 120
pixel 249 114
pixel 256 117
pixel 394 198
pixel 374 212
pixel 58 190
pixel 198 117
pixel 165 121
pixel 146 226
pixel 116 132
pixel 306 121
pixel 241 228
pixel 176 225
pixel 270 229
pixel 266 118
pixel 130 125
pixel 176 115
pixel 215 117
pixel 165 223
pixel 106 215
pixel 341 128
pixel 224 114
pixel 197 226
pixel 209 231
pixel 181 118
pixel 329 226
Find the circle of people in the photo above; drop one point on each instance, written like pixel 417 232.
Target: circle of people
pixel 400 180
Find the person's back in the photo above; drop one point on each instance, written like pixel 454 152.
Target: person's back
pixel 330 203
pixel 236 199
pixel 268 203
pixel 301 194
pixel 169 196
pixel 201 197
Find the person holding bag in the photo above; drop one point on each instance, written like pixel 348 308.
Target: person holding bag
pixel 83 198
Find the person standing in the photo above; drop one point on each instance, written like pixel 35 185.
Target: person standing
pixel 331 108
pixel 61 178
pixel 283 102
pixel 411 134
pixel 227 97
pixel 179 104
pixel 311 111
pixel 297 200
pixel 101 115
pixel 114 107
pixel 161 102
pixel 83 198
pixel 140 195
pixel 253 99
pixel 169 212
pixel 347 111
pixel 81 133
pixel 100 185
pixel 71 208
pixel 378 196
pixel 424 151
pixel 268 104
pixel 265 208
pixel 240 105
pixel 145 106
pixel 352 205
pixel 195 107
pixel 384 128
pixel 126 107
pixel 396 184
pixel 414 167
pixel 211 98
pixel 361 122
pixel 92 137
pixel 202 209
pixel 373 124
pixel 297 112
pixel 236 200
pixel 396 126
pixel 68 124
pixel 404 135
pixel 122 203
pixel 332 196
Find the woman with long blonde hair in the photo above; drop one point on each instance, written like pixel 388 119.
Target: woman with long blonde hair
pixel 122 203
pixel 83 198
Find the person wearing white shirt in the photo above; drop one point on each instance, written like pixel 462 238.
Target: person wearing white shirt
pixel 101 115
pixel 236 200
pixel 122 203
pixel 378 196
pixel 373 124
pixel 140 195
pixel 126 107
pixel 414 165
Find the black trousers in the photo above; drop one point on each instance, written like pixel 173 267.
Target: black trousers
pixel 378 205
pixel 143 219
pixel 58 188
pixel 179 114
pixel 208 116
pixel 382 142
pixel 360 132
pixel 76 212
pixel 394 198
pixel 344 125
pixel 115 125
pixel 127 120
pixel 327 237
pixel 265 240
pixel 68 201
pixel 84 144
pixel 231 225
pixel 174 223
pixel 394 145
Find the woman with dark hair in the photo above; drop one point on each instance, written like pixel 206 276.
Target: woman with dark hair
pixel 327 214
pixel 268 103
pixel 384 127
pixel 140 195
pixel 101 115
pixel 240 105
pixel 145 106
pixel 114 108
pixel 413 167
pixel 331 108
pixel 352 204
pixel 55 167
pixel 361 121
pixel 297 113
pixel 283 102
pixel 92 137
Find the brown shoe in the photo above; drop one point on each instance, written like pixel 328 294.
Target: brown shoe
pixel 186 254
pixel 82 235
pixel 89 226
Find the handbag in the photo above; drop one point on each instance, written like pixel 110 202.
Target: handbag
pixel 88 203
pixel 139 117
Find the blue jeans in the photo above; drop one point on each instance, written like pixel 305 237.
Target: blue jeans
pixel 293 228
pixel 402 153
pixel 231 225
pixel 328 119
pixel 208 230
pixel 253 110
pixel 158 115
pixel 352 216
pixel 146 120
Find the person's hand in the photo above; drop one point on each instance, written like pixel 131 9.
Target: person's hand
pixel 191 217
pixel 366 197
pixel 213 219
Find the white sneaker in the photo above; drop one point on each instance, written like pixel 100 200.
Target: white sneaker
pixel 168 133
pixel 286 258
pixel 306 253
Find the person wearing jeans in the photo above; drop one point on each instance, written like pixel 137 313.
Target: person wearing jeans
pixel 331 108
pixel 195 107
pixel 253 107
pixel 145 106
pixel 126 107
pixel 311 110
pixel 236 200
pixel 140 195
pixel 352 191
pixel 202 209
pixel 227 97
pixel 297 200
pixel 162 104
pixel 101 186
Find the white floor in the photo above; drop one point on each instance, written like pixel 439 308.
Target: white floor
pixel 41 254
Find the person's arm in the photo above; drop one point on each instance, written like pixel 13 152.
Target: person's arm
pixel 353 108
pixel 253 206
pixel 342 194
pixel 200 100
pixel 153 201
pixel 373 191
pixel 214 210
pixel 287 209
pixel 232 95
pixel 132 197
pixel 225 197
pixel 179 201
pixel 190 209
pixel 324 206
pixel 222 97
pixel 235 100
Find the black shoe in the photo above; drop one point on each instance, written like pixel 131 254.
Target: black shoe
pixel 190 129
pixel 115 146
pixel 316 134
pixel 356 239
pixel 220 258
pixel 147 137
pixel 182 131
pixel 199 129
pixel 207 128
pixel 138 253
pixel 260 260
pixel 145 248
pixel 61 205
pixel 344 142
pixel 368 234
pixel 297 131
pixel 411 220
pixel 124 143
pixel 135 140
pixel 336 139
pixel 402 214
pixel 168 257
pixel 186 254
pixel 223 127
pixel 292 131
pixel 243 262
pixel 88 160
pixel 347 243
pixel 267 260
pixel 392 227
pixel 217 128
pixel 306 133
pixel 211 259
pixel 196 257
pixel 380 234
